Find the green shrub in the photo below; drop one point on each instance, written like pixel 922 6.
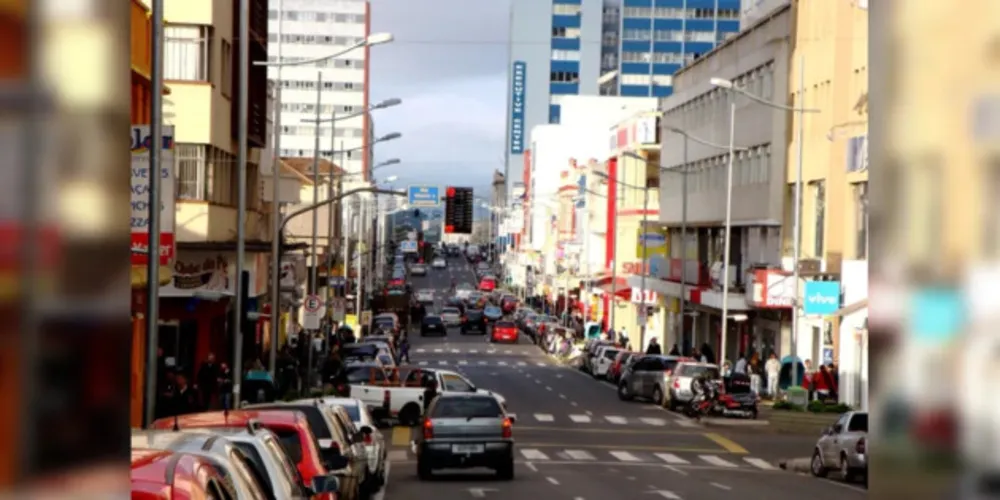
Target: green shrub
pixel 822 407
pixel 785 405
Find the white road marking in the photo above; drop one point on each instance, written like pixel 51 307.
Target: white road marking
pixel 686 423
pixel 502 363
pixel 653 421
pixel 522 363
pixel 438 351
pixel 455 351
pixel 559 375
pixel 553 480
pixel 531 466
pixel 473 351
pixel 572 403
pixel 579 455
pixel 548 388
pixel 396 455
pixel 625 456
pixel 614 419
pixel 442 363
pixel 463 362
pixel 422 363
pixel 482 362
pixel 672 459
pixel 543 417
pixel 421 350
pixel 675 469
pixel 532 454
pixel 714 460
pixel 760 463
pixel 580 419
pixel 721 486
pixel 562 396
pixel 508 351
pixel 544 365
pixel 669 495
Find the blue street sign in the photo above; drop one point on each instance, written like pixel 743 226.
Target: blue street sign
pixel 408 246
pixel 423 196
pixel 821 297
pixel 518 83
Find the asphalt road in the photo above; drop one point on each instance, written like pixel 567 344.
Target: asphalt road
pixel 575 440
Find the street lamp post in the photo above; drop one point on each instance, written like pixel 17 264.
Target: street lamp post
pixel 797 217
pixel 371 40
pixel 242 110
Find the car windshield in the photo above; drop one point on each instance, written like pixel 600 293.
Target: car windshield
pixel 466 408
pixel 493 310
pixel 505 324
pixel 352 411
pixel 449 310
pixel 384 322
pixel 699 370
pixel 432 320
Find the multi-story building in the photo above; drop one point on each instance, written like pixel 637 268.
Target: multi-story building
pixel 311 29
pixel 201 50
pixel 755 60
pixel 657 40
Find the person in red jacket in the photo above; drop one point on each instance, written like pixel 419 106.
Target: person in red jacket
pixel 823 384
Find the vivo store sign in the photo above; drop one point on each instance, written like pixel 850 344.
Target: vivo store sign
pixel 141 141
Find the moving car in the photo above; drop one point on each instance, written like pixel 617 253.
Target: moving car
pixel 474 321
pixel 425 296
pixel 439 263
pixel 452 316
pixel 504 331
pixel 433 325
pixel 463 291
pixel 418 270
pixel 387 321
pixel 492 313
pixel 487 284
pixel 465 431
pixel 508 303
pixel 844 447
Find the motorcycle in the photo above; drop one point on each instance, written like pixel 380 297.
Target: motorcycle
pixel 732 398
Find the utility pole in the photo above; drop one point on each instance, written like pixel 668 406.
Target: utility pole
pixel 153 253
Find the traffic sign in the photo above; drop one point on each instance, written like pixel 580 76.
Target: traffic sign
pixel 313 312
pixel 423 196
pixel 408 246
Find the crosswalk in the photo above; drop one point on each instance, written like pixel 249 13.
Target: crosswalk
pixel 628 457
pixel 449 350
pixel 481 362
pixel 603 420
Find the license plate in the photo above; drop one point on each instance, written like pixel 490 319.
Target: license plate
pixel 467 448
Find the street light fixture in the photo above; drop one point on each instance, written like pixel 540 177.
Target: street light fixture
pixel 797 223
pixel 370 41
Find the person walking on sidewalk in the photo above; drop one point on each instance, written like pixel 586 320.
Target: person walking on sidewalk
pixel 654 347
pixel 772 368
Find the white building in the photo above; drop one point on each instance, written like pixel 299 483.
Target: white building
pixel 311 29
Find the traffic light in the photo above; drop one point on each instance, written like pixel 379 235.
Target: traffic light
pixel 458 210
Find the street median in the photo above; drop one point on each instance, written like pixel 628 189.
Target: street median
pixel 797 421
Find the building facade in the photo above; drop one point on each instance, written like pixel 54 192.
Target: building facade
pixel 657 39
pixel 756 60
pixel 311 29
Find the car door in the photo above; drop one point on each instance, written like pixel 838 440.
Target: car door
pixel 359 456
pixel 352 475
pixel 635 380
pixel 829 446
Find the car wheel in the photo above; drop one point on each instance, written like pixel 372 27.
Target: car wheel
pixel 409 415
pixel 424 470
pixel 816 466
pixel 623 393
pixel 658 396
pixel 506 471
pixel 846 472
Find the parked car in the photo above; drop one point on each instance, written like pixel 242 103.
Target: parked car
pixel 680 390
pixel 648 377
pixel 374 442
pixel 590 351
pixel 166 475
pixel 844 447
pixel 504 331
pixel 466 431
pixel 622 361
pixel 603 360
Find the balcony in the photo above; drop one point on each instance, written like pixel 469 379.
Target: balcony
pixel 202 222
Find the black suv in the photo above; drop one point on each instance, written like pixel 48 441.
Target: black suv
pixel 475 321
pixel 433 325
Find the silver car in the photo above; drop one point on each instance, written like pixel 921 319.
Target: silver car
pixel 464 431
pixel 378 465
pixel 264 451
pixel 843 446
pixel 451 316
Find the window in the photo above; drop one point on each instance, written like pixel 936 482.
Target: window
pixel 860 190
pixel 669 35
pixel 638 12
pixel 667 58
pixel 558 32
pixel 186 52
pixel 191 177
pixel 563 9
pixel 564 77
pixel 699 36
pixel 565 55
pixel 859 423
pixel 226 79
pixel 288 469
pixel 454 383
pixel 467 407
pixel 629 79
pixel 636 57
pixel 663 80
pixel 819 207
pixel 242 469
pixel 634 34
pixel 668 12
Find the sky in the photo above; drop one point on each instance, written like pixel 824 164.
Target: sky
pixel 448 64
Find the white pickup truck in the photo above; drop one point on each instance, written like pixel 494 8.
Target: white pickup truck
pixel 398 393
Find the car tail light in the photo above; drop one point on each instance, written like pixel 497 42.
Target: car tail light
pixel 428 429
pixel 860 447
pixel 508 429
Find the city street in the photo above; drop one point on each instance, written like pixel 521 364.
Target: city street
pixel 576 440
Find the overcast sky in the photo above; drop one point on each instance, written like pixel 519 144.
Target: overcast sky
pixel 448 64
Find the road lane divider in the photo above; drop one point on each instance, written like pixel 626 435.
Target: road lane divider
pixel 727 444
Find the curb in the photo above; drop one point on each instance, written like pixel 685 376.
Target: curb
pixel 716 422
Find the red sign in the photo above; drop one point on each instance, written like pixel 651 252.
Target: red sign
pixel 635 268
pixel 140 248
pixel 676 270
pixel 770 289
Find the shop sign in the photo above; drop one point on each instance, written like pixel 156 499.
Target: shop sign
pixel 644 297
pixel 821 297
pixel 200 273
pixel 634 268
pixel 141 141
pixel 770 289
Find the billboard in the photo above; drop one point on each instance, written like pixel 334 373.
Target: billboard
pixel 518 76
pixel 657 250
pixel 423 196
pixel 141 141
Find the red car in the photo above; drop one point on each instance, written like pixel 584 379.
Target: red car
pixel 504 331
pixel 291 427
pixel 165 475
pixel 618 365
pixel 508 304
pixel 487 284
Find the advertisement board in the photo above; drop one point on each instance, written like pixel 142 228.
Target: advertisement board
pixel 821 297
pixel 140 144
pixel 657 250
pixel 518 77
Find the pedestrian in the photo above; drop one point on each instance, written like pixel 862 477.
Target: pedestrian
pixel 741 364
pixel 207 381
pixel 331 367
pixel 654 347
pixel 771 369
pixel 674 351
pixel 430 393
pixel 186 400
pixel 623 337
pixel 756 370
pixel 821 382
pixel 166 392
pixel 225 386
pixel 404 348
pixel 708 353
pixel 727 369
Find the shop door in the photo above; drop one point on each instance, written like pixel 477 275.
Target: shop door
pixel 177 340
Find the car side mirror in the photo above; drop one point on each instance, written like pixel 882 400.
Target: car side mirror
pixel 325 484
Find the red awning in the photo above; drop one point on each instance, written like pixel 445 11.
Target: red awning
pixel 620 286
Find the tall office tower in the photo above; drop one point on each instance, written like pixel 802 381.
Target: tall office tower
pixel 555 50
pixel 657 38
pixel 311 29
pixel 610 40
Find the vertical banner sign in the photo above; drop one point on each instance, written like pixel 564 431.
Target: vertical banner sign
pixel 140 140
pixel 518 75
